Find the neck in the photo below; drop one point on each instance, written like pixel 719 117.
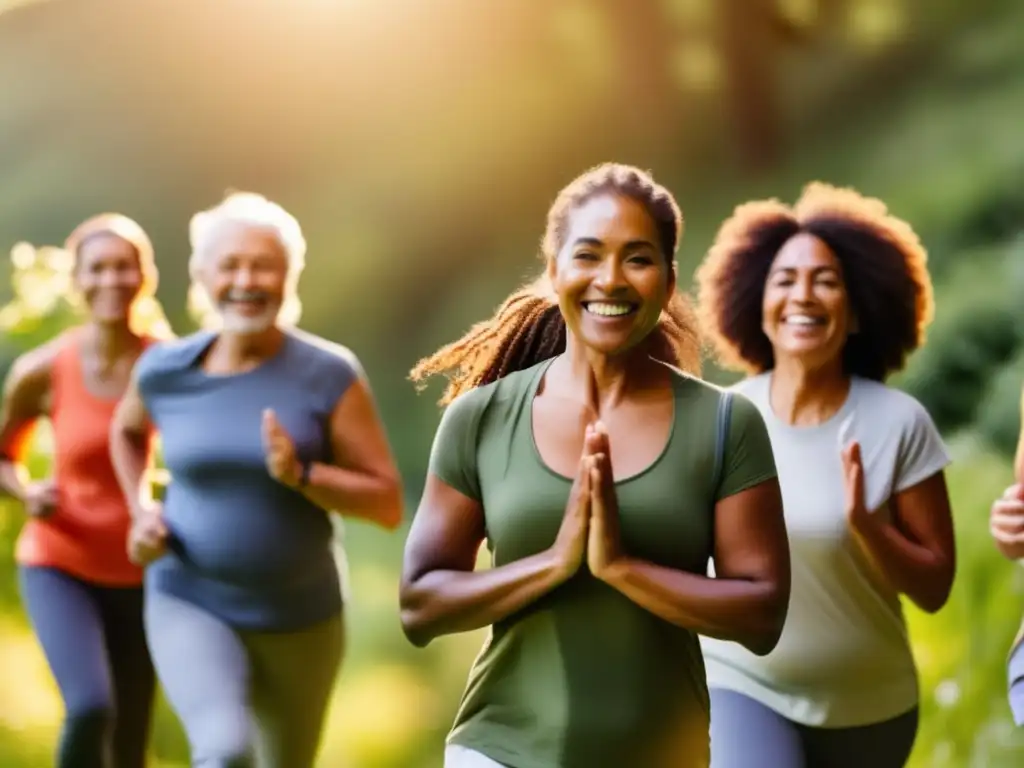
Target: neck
pixel 605 379
pixel 109 341
pixel 803 396
pixel 235 350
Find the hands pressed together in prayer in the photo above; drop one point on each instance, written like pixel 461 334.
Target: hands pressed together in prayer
pixel 590 528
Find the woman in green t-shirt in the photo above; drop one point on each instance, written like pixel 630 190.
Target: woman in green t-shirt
pixel 602 478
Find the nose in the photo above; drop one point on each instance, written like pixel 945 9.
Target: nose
pixel 242 279
pixel 609 276
pixel 802 290
pixel 109 278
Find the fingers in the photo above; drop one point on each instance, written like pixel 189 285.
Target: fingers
pixel 584 498
pixel 1007 517
pixel 590 446
pixel 851 455
pixel 1009 509
pixel 1015 491
pixel 1005 535
pixel 273 433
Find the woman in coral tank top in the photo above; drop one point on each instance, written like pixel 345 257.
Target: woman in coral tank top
pixel 83 595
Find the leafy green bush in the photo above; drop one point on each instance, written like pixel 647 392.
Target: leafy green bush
pixel 998 417
pixel 976 333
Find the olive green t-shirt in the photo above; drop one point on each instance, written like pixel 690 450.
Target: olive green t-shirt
pixel 584 677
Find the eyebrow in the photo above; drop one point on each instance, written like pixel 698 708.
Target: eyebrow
pixel 793 270
pixel 631 245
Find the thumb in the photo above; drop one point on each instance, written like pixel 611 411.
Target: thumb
pixel 854 473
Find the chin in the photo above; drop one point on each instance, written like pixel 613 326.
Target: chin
pixel 809 357
pixel 112 317
pixel 247 326
pixel 609 347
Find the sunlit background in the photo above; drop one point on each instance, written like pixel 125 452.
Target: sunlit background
pixel 420 144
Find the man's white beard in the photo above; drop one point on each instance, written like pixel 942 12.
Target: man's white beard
pixel 232 322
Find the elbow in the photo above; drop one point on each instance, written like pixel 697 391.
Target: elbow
pixel 764 639
pixel 933 600
pixel 770 620
pixel 391 511
pixel 416 625
pixel 415 629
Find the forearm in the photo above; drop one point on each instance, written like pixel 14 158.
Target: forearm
pixel 446 602
pixel 744 611
pixel 129 457
pixel 14 478
pixel 356 494
pixel 926 577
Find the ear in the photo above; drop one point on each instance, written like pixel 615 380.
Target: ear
pixel 552 268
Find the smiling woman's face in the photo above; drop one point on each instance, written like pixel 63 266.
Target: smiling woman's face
pixel 610 274
pixel 806 311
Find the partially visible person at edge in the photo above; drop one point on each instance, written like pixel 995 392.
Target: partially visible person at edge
pixel 580 445
pixel 819 303
pixel 266 430
pixel 81 592
pixel 1006 524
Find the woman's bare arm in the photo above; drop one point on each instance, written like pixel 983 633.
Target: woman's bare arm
pixel 748 599
pixel 130 432
pixel 363 481
pixel 25 399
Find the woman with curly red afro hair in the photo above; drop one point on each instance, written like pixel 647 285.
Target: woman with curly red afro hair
pixel 819 303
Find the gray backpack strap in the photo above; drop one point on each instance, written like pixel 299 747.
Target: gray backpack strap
pixel 721 435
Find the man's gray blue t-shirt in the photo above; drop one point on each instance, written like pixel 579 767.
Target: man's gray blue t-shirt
pixel 245 547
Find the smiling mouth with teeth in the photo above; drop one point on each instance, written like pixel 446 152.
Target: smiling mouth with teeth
pixel 609 308
pixel 804 320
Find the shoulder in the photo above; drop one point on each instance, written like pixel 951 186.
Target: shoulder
pixel 741 396
pixel 323 352
pixel 33 370
pixel 497 401
pixel 889 406
pixel 161 358
pixel 329 369
pixel 472 404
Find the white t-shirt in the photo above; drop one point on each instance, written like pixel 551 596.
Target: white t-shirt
pixel 844 658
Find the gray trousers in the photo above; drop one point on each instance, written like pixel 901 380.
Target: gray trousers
pixel 747 734
pixel 244 698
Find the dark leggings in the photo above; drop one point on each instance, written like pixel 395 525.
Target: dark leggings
pixel 747 734
pixel 94 642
